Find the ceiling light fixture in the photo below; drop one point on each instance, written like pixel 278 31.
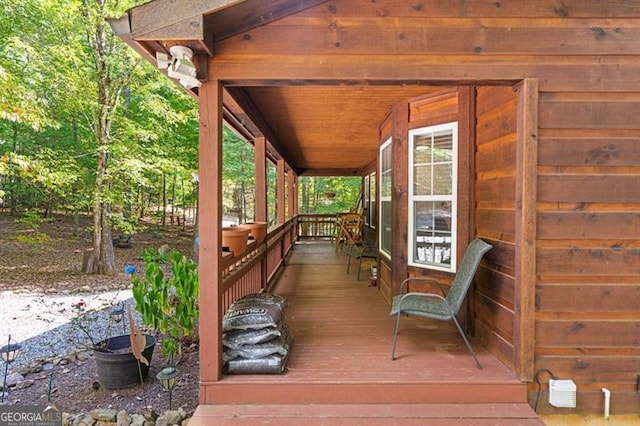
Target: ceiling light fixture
pixel 179 66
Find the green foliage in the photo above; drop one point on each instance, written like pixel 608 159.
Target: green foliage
pixel 152 255
pixel 169 304
pixel 314 191
pixel 32 219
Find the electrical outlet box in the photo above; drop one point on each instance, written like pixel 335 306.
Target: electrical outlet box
pixel 562 393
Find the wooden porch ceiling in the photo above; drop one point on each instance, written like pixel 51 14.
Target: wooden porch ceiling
pixel 326 130
pixel 318 128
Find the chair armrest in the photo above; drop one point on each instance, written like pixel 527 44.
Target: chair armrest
pixel 423 279
pixel 425 296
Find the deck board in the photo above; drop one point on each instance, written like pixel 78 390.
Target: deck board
pixel 342 343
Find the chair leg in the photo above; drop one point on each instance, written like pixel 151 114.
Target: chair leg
pixel 359 266
pixel 349 262
pixel 473 354
pixel 395 336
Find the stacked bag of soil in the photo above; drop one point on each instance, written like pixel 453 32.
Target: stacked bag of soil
pixel 255 335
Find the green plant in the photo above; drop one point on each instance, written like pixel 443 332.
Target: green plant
pixel 169 304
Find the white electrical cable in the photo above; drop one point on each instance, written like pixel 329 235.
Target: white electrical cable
pixel 607 401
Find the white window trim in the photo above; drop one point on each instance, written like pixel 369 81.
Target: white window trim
pixel 453 198
pixel 381 198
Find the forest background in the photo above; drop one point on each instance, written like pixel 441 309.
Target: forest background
pixel 87 127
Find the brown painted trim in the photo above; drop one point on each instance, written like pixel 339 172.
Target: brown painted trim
pixel 525 244
pixel 210 212
pixel 260 144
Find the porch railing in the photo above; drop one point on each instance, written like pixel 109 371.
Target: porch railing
pixel 256 269
pixel 316 225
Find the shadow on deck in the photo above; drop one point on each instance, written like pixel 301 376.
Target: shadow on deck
pixel 340 371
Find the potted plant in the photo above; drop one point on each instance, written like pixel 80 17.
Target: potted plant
pixel 117 361
pixel 168 303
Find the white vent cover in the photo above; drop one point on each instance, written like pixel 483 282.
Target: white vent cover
pixel 562 393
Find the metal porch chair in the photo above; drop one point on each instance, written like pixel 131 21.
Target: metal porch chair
pixel 435 306
pixel 361 250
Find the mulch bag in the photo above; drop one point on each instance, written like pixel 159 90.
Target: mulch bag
pixel 267 299
pixel 238 338
pixel 270 364
pixel 247 314
pixel 261 350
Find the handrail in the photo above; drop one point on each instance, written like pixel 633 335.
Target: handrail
pixel 255 269
pixel 317 225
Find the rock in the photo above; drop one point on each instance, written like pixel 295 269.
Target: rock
pixel 185 422
pixel 83 356
pixel 51 290
pixel 12 380
pixel 173 417
pixel 23 384
pixel 84 289
pixel 137 420
pixel 162 421
pixel 104 414
pixel 35 368
pixel 67 419
pixel 84 420
pixel 48 366
pixel 123 418
pixel 183 414
pixel 23 369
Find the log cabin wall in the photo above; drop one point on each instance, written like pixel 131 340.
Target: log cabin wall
pixel 495 217
pixel 586 57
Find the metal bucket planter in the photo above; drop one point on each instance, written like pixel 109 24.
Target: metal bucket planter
pixel 117 367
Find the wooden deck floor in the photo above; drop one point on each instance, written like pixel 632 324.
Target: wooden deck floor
pixel 341 354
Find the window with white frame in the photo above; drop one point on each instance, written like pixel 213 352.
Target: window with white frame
pixel 432 196
pixel 386 167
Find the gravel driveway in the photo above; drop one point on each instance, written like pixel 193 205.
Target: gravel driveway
pixel 52 325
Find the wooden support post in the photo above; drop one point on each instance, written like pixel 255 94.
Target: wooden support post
pixel 261 180
pixel 399 197
pixel 280 192
pixel 291 194
pixel 210 253
pixel 526 199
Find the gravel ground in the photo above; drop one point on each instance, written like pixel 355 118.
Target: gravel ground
pixel 52 325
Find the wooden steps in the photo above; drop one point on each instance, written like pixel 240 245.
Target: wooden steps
pixel 369 414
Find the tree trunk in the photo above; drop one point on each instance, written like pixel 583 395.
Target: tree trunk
pixel 164 199
pixel 103 259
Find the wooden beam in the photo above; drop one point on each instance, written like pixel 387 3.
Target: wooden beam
pixel 210 219
pixel 175 19
pixel 525 244
pixel 261 179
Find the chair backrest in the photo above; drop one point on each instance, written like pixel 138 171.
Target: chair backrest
pixel 466 272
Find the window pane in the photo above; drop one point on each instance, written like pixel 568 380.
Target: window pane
pixel 422 184
pixel 385 223
pixel 432 221
pixel 442 184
